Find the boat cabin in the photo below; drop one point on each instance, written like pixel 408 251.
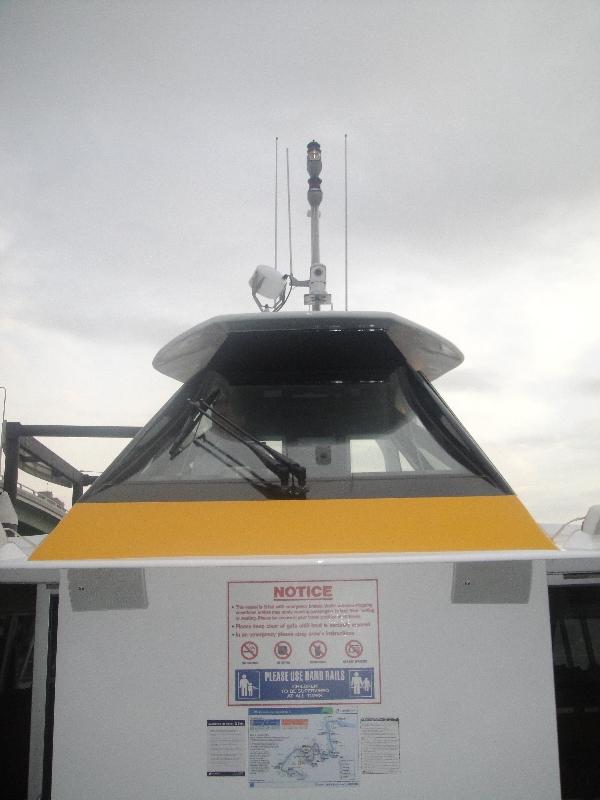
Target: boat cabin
pixel 304 574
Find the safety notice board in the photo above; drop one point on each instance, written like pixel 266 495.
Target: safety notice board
pixel 303 642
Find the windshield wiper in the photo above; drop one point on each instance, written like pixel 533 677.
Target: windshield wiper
pixel 272 491
pixel 292 476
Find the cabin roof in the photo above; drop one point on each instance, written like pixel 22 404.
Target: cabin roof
pixel 191 351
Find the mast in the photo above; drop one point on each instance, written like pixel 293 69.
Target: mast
pixel 317 284
pixel 267 281
pixel 314 166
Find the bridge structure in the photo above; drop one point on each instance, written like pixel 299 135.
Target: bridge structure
pixel 38 511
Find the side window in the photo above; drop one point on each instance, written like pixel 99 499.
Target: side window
pixel 575 620
pixel 366 456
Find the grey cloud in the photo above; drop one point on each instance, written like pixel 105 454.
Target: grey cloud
pixel 136 187
pixel 584 374
pixel 589 386
pixel 467 116
pixel 573 439
pixel 114 327
pixel 466 379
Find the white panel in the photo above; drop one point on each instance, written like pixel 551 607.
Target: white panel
pixel 106 589
pixel 492 582
pixel 472 686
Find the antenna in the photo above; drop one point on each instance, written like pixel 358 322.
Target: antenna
pixel 267 281
pixel 318 273
pixel 346 220
pixel 315 195
pixel 276 186
pixel 287 164
pixel 2 430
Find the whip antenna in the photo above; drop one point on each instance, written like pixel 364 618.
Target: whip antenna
pixel 346 219
pixel 287 164
pixel 276 187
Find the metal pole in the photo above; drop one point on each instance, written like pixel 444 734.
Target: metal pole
pixel 315 195
pixel 317 283
pixel 315 257
pixel 76 431
pixel 3 421
pixel 77 492
pixel 12 434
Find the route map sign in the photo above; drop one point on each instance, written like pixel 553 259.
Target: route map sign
pixel 293 747
pixel 303 642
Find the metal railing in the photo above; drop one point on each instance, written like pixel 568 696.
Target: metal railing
pixel 55 503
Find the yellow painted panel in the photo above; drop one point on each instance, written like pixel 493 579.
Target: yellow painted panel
pixel 288 528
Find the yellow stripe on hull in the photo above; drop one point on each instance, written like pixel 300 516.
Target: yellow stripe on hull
pixel 292 528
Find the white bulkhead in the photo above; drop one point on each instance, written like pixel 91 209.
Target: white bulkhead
pixel 470 685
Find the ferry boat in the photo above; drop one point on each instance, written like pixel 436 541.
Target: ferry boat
pixel 304 574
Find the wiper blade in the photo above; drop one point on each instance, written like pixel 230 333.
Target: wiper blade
pixel 292 475
pixel 271 491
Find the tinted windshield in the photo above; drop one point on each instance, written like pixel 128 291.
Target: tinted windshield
pixel 389 430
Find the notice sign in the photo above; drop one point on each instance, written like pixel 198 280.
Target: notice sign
pixel 303 642
pixel 380 745
pixel 226 747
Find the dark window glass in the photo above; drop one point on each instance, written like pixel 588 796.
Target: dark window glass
pixel 350 410
pixel 575 618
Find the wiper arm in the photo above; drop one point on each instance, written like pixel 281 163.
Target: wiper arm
pixel 271 491
pixel 188 426
pixel 284 468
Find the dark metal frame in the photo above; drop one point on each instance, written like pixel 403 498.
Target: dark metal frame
pixel 19 439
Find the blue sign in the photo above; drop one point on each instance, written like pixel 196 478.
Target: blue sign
pixel 293 685
pixel 286 712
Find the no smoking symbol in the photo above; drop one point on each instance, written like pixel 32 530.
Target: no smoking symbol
pixel 318 649
pixel 354 648
pixel 249 651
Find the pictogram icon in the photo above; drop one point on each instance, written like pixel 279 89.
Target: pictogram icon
pixel 318 649
pixel 249 651
pixel 283 649
pixel 354 648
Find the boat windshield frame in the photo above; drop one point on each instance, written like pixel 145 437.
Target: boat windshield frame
pixel 129 478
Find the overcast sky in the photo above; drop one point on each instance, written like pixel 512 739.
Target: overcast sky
pixel 136 198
